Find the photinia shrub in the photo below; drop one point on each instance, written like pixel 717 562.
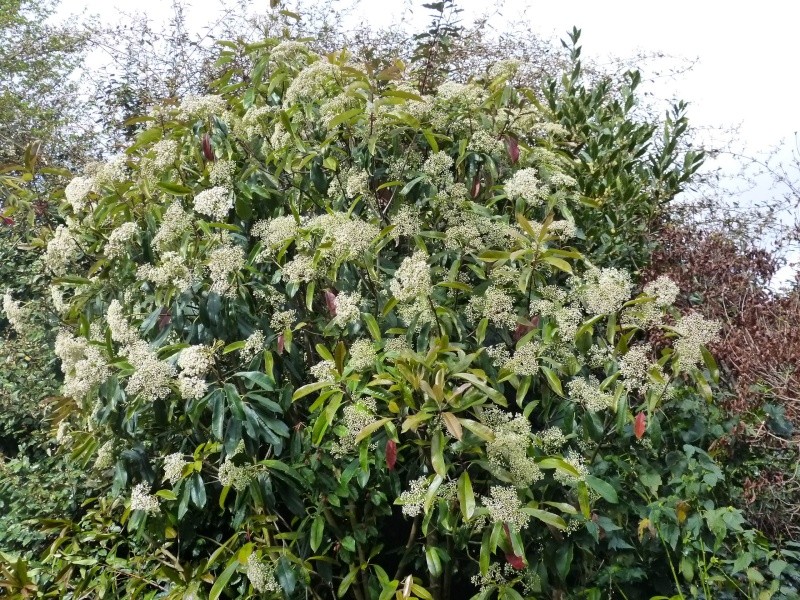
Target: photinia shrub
pixel 325 336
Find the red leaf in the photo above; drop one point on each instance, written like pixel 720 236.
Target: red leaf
pixel 391 454
pixel 639 425
pixel 524 329
pixel 164 319
pixel 516 562
pixel 280 344
pixel 512 146
pixel 208 151
pixel 476 186
pixel 330 302
pixel 7 220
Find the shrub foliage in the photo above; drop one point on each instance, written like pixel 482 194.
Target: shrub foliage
pixel 325 335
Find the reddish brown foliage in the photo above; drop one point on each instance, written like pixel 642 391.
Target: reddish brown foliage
pixel 758 350
pixel 760 340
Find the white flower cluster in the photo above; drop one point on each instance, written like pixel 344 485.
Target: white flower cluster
pixel 439 169
pixel 497 576
pixel 112 172
pixel 223 262
pixel 406 222
pixel 524 362
pixel 311 83
pixel 469 230
pixel 289 51
pixel 231 475
pixel 253 122
pixel 505 69
pixel 222 172
pixel 354 418
pixel 253 346
pixel 119 238
pixel 152 377
pixel 192 388
pixel 274 233
pixel 588 393
pixel 525 184
pixel 343 236
pixel 105 456
pixel 508 451
pixel 357 182
pixel 83 365
pixel 61 251
pixel 57 297
pixel 141 499
pixel 261 575
pixel 173 467
pixel 664 290
pixel 175 222
pixel 300 268
pixel 504 506
pixel 348 309
pixel 77 192
pixel 172 271
pixel 577 462
pixel 604 291
pixel 413 499
pixel 362 355
pixel 412 279
pixel 324 371
pixel 197 360
pixel 496 304
pixel 552 439
pixel 283 319
pixel 634 367
pixel 695 333
pixel 396 345
pixel 485 142
pixel 161 157
pixel 216 202
pixel 121 330
pixel 15 314
pixel 202 107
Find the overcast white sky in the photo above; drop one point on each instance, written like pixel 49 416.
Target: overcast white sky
pixel 747 52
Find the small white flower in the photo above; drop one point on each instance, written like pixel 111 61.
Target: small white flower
pixel 216 202
pixel 141 499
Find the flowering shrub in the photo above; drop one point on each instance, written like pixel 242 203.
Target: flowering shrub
pixel 324 335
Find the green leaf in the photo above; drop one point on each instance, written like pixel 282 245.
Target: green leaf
pixel 558 263
pixel 317 529
pixel 222 581
pixel 348 580
pixel 174 189
pixel 606 490
pixel 553 381
pixel 433 561
pixel 258 378
pixel 437 454
pixel 371 428
pixel 545 517
pixel 430 139
pixel 310 388
pixel 482 386
pixel 466 497
pixel 372 326
pixel 711 364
